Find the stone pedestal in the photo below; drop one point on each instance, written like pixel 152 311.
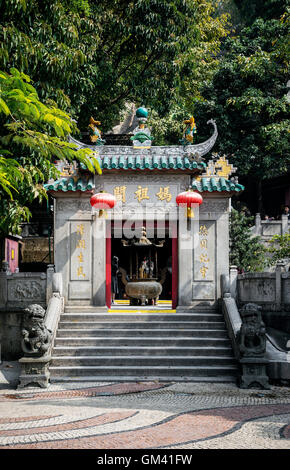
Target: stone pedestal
pixel 253 374
pixel 34 371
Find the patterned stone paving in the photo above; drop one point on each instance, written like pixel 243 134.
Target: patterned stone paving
pixel 145 415
pixel 81 391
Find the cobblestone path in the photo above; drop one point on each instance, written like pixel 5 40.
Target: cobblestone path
pixel 145 416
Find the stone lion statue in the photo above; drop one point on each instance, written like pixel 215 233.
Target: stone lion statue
pixel 36 337
pixel 252 335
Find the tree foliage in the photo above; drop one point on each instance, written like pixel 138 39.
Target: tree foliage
pixel 32 135
pixel 248 99
pixel 87 58
pixel 92 56
pixel 246 251
pixel 279 247
pixel 246 93
pixel 250 10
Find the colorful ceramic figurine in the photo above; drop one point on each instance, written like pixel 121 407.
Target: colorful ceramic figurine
pixel 95 133
pixel 190 129
pixel 142 137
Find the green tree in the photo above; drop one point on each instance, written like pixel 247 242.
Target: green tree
pixel 248 99
pixel 90 57
pixel 196 66
pixel 250 10
pixel 32 135
pixel 279 247
pixel 246 251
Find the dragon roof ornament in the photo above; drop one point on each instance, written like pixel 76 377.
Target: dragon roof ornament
pixel 193 151
pixel 198 150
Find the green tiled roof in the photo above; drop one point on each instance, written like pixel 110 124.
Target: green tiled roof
pixel 71 184
pixel 217 183
pixel 155 162
pixel 205 184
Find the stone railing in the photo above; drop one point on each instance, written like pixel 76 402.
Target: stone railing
pixel 231 314
pixel 266 229
pixel 270 290
pixel 271 293
pixel 18 290
pixel 35 366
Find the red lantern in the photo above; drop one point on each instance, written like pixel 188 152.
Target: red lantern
pixel 188 198
pixel 103 201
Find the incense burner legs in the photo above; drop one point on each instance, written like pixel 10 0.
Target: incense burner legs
pixel 143 290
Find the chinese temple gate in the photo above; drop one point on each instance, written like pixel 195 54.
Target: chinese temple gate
pixel 145 181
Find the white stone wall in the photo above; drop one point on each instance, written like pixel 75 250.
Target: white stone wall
pixel 211 259
pixel 72 224
pixel 80 242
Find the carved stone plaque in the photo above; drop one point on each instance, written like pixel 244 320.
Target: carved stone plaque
pixel 26 290
pixel 141 190
pixel 204 253
pixel 203 291
pixel 73 205
pixel 80 251
pixel 214 206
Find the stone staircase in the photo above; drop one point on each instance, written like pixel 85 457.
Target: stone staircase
pixel 128 346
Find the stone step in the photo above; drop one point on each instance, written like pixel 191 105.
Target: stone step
pixel 150 378
pixel 138 344
pixel 85 308
pixel 193 341
pixel 128 317
pixel 142 351
pixel 141 325
pixel 159 332
pixel 141 361
pixel 144 371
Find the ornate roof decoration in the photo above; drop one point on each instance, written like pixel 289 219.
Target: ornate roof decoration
pixel 165 161
pixel 219 166
pixel 198 150
pixel 205 184
pixel 215 184
pixel 190 129
pixel 193 152
pixel 95 133
pixel 74 183
pixel 142 135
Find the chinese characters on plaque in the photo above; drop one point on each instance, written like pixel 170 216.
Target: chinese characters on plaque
pixel 203 245
pixel 82 246
pixel 141 193
pixel 80 251
pixel 120 193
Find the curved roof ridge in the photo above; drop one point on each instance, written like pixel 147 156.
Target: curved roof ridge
pixel 215 184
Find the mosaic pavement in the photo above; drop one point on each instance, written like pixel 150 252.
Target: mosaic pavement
pixel 145 415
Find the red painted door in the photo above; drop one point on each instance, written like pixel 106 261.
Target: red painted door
pixel 174 272
pixel 108 265
pixel 12 254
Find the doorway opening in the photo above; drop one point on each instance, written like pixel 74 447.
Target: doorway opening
pixel 152 261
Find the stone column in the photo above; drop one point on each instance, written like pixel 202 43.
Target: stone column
pixel 284 224
pixel 222 249
pixel 278 285
pixel 61 242
pixel 225 286
pixel 99 260
pixel 57 284
pixel 186 229
pixel 258 224
pixel 233 281
pixel 49 276
pixel 3 289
